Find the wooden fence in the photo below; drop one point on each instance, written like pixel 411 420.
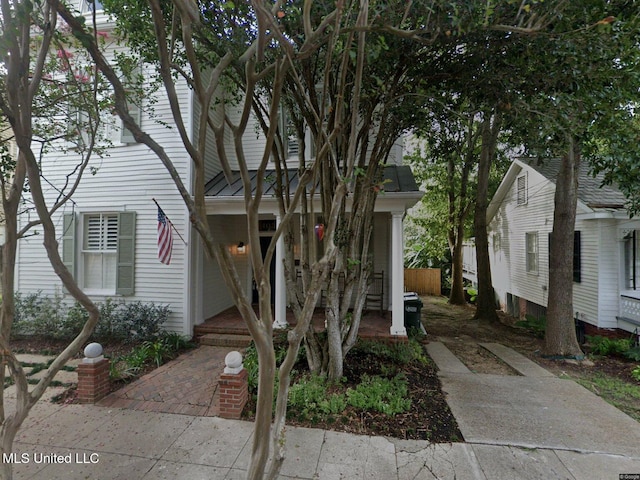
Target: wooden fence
pixel 424 281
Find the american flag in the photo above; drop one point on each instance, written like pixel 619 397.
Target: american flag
pixel 165 238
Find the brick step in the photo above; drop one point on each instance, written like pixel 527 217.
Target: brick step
pixel 204 329
pixel 225 340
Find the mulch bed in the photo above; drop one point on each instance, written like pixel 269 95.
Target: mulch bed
pixel 429 417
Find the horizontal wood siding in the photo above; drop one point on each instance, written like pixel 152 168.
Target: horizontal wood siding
pixel 610 261
pixel 586 292
pixel 127 179
pixel 509 227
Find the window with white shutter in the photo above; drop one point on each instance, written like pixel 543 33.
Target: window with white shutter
pixel 105 262
pixel 99 252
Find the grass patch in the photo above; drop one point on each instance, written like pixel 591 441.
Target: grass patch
pixel 620 394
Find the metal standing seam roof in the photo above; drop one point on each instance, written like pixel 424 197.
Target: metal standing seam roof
pixel 396 178
pixel 591 190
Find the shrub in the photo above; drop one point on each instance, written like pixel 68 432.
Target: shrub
pixel 380 394
pixel 50 316
pixel 401 353
pixel 608 346
pixel 151 352
pixel 633 353
pixel 636 373
pixel 310 397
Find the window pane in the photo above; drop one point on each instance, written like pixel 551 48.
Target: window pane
pixel 532 252
pixel 93 270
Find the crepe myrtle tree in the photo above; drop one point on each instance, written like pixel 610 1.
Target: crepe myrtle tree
pixel 226 52
pixel 50 102
pixel 238 69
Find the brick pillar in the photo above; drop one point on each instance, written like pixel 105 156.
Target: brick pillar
pixel 234 393
pixel 93 380
pixel 233 387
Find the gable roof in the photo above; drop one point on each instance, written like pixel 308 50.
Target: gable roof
pixel 396 178
pixel 591 190
pixel 592 194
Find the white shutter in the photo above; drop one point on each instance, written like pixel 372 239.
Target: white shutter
pixel 93 232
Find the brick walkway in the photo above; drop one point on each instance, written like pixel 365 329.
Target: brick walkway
pixel 187 385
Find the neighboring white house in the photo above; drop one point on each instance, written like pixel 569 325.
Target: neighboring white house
pixel 606 288
pixel 107 234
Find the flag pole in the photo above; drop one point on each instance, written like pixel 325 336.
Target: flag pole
pixel 172 226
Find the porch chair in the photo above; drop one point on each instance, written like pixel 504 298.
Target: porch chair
pixel 375 293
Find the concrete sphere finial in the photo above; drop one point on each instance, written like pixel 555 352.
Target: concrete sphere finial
pixel 93 350
pixel 233 362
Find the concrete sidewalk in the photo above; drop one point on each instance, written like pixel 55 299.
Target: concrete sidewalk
pixel 534 426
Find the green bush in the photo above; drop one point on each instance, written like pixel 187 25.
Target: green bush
pixel 633 353
pixel 150 353
pixel 309 397
pixel 401 353
pixel 388 396
pixel 50 316
pixel 636 373
pixel 608 346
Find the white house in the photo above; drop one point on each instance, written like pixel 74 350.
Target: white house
pixel 606 288
pixel 107 233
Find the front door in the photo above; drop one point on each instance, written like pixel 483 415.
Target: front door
pixel 264 245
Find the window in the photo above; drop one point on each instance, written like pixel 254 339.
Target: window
pixel 132 84
pixel 91 5
pixel 289 138
pixel 521 185
pixel 106 251
pixel 532 252
pixel 99 249
pixel 632 261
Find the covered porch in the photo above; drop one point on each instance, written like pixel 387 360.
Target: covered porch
pixel 372 326
pixel 226 210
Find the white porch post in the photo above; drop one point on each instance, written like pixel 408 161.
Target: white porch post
pixel 280 313
pixel 397 275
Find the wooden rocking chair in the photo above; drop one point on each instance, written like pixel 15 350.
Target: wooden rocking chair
pixel 375 293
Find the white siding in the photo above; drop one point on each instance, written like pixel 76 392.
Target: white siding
pixel 126 180
pixel 510 225
pixel 596 298
pixel 586 293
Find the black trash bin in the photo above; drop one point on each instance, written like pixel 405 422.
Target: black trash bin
pixel 412 310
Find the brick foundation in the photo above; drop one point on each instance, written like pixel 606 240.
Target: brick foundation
pixel 234 393
pixel 93 381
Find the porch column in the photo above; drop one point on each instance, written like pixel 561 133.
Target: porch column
pixel 280 313
pixel 397 275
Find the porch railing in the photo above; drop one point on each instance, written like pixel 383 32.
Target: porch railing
pixel 630 308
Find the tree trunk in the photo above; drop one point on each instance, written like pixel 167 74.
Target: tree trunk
pixel 486 302
pixel 560 336
pixel 456 297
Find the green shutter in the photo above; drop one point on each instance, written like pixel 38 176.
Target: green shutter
pixel 125 277
pixel 69 242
